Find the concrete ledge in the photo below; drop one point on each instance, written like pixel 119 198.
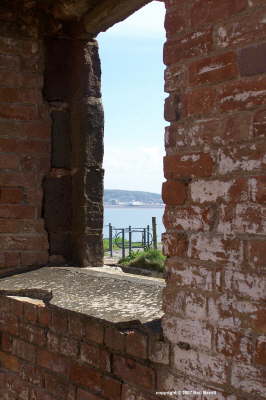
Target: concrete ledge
pixel 112 297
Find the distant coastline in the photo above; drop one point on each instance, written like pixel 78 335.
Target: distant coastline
pixel 129 206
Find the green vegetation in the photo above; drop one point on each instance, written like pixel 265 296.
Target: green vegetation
pixel 148 259
pixel 115 247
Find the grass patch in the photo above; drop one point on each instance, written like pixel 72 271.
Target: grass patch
pixel 149 259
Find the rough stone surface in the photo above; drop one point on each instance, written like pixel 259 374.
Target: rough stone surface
pixel 114 298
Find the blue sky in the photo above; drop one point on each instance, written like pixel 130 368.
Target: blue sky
pixel 133 98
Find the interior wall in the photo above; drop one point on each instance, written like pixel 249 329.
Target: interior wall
pixel 73 209
pixel 24 143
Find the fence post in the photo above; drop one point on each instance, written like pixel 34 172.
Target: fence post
pixel 129 239
pixel 110 240
pixel 148 236
pixel 123 243
pixel 154 233
pixel 144 238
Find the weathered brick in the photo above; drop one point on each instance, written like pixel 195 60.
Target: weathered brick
pixel 243 158
pixel 260 352
pixel 24 350
pixel 193 333
pixel 173 192
pixel 246 284
pixel 231 191
pixel 94 331
pixel 53 362
pixel 19 112
pixel 257 320
pixel 188 218
pixel 200 365
pixel 196 277
pixel 82 395
pixel 114 339
pixel 64 345
pixel 201 101
pixel 175 136
pixel 9 161
pixel 188 165
pixel 12 259
pixel 59 323
pixel 205 12
pixel 95 356
pixel 9 362
pixel 17 211
pixel 174 244
pixel 76 324
pixel 6 342
pixel 256 253
pixel 14 95
pixel 130 392
pixel 195 306
pixel 260 124
pixel 136 344
pixel 133 372
pixel 58 387
pixel 241 95
pixel 252 60
pixel 33 334
pixel 34 258
pixel 249 379
pixel 24 146
pixel 175 78
pixel 216 249
pixel 85 376
pixel 17 242
pixel 243 218
pixel 111 388
pixel 159 351
pixel 172 108
pixel 25 179
pixel 177 21
pixel 218 131
pixel 234 345
pixel 11 195
pixel 213 69
pixel 197 43
pixel 9 62
pixel 30 312
pixel 242 30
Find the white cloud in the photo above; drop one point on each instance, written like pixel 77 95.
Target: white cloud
pixel 140 168
pixel 148 22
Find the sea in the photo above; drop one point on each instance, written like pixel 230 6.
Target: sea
pixel 136 217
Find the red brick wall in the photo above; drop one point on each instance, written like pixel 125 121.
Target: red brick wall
pixel 54 354
pixel 24 153
pixel 215 194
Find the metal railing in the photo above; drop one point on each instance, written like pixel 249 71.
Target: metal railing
pixel 132 238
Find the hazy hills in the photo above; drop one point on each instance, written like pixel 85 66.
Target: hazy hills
pixel 116 197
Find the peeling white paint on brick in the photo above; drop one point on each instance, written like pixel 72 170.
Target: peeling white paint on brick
pixel 249 379
pixel 210 68
pixel 252 189
pixel 202 191
pixel 214 249
pixel 246 284
pixel 190 157
pixel 243 96
pixel 227 164
pixel 222 36
pixel 200 365
pixel 193 332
